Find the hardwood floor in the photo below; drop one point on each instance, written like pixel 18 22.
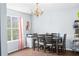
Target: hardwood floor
pixel 30 52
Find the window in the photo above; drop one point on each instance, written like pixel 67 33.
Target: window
pixel 12 28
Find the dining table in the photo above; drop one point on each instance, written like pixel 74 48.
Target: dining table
pixel 56 39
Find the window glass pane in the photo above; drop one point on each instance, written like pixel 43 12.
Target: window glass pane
pixel 15 34
pixel 8 21
pixel 14 22
pixel 9 34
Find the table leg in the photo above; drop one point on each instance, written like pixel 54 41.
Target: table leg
pixel 38 44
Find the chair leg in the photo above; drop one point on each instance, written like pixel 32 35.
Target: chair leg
pixel 38 46
pixel 53 48
pixel 34 45
pixel 64 51
pixel 61 50
pixel 44 48
pixel 57 51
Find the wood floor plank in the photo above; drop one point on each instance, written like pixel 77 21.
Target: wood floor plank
pixel 31 52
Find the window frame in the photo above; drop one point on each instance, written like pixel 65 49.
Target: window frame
pixel 12 28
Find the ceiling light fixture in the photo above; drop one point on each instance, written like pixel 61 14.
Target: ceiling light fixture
pixel 37 11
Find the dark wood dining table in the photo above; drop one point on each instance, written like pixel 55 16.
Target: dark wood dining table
pixel 54 38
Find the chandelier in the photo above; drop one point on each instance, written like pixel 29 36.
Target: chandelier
pixel 37 11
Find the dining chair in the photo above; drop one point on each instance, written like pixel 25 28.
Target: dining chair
pixel 35 40
pixel 54 41
pixel 61 44
pixel 41 38
pixel 48 42
pixel 75 47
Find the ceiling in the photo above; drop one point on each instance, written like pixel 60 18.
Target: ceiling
pixel 28 7
pixel 22 7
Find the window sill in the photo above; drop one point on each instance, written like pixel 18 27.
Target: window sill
pixel 12 41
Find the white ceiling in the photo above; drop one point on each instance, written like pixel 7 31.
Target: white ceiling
pixel 22 7
pixel 28 7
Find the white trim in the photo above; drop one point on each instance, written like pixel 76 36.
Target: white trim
pixel 69 49
pixel 15 28
pixel 13 50
pixel 12 41
pixel 12 28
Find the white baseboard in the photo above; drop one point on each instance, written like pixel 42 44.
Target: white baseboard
pixel 15 50
pixel 12 51
pixel 69 49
